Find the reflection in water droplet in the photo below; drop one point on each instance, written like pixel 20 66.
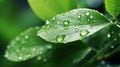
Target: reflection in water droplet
pixel 47 22
pixel 60 38
pixel 66 22
pixel 84 32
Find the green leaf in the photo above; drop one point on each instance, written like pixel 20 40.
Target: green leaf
pixel 46 9
pixel 74 25
pixel 26 46
pixel 113 7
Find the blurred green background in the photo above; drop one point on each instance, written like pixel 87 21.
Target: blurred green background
pixel 17 16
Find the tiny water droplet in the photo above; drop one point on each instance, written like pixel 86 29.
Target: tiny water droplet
pixel 26 37
pixel 53 18
pixel 108 35
pixel 47 22
pixel 60 38
pixel 79 18
pixel 49 46
pixel 17 38
pixel 77 30
pixel 115 39
pixel 112 47
pixel 39 57
pixel 66 22
pixel 102 62
pixel 19 57
pixel 44 59
pixel 84 32
pixel 91 17
pixel 46 28
pixel 87 14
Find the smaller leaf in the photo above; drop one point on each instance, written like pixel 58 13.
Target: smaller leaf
pixel 26 46
pixel 113 7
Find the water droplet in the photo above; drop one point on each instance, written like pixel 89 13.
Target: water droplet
pixel 84 32
pixel 47 22
pixel 91 17
pixel 108 35
pixel 60 38
pixel 87 14
pixel 49 46
pixel 17 38
pixel 19 57
pixel 39 57
pixel 46 28
pixel 112 47
pixel 44 59
pixel 66 22
pixel 77 30
pixel 79 18
pixel 102 62
pixel 115 39
pixel 53 18
pixel 26 37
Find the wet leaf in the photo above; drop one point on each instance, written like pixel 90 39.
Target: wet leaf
pixel 72 26
pixel 27 45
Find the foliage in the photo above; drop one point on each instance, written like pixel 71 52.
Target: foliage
pixel 78 37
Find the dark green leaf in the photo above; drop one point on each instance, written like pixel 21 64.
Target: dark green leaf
pixel 74 25
pixel 27 45
pixel 113 7
pixel 46 9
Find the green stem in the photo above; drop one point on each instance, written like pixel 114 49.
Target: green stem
pixel 99 56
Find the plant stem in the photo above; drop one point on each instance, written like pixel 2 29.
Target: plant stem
pixel 99 56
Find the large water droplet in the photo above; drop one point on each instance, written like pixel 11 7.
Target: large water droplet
pixel 84 32
pixel 66 22
pixel 60 38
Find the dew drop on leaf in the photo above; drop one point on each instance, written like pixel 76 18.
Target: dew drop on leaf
pixel 103 62
pixel 26 37
pixel 53 18
pixel 60 38
pixel 66 22
pixel 87 14
pixel 84 32
pixel 76 29
pixel 108 36
pixel 47 22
